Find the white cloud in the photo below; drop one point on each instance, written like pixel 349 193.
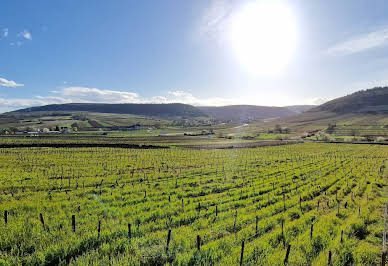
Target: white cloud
pixel 9 83
pixel 319 101
pixel 25 34
pixel 84 94
pixel 5 32
pixel 188 98
pixel 361 43
pixel 18 103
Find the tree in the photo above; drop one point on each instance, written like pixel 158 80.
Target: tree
pixel 330 128
pixel 278 129
pixel 13 129
pixel 370 138
pixel 286 130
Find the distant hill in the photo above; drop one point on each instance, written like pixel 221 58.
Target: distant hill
pixel 161 110
pixel 365 101
pixel 300 108
pixel 240 113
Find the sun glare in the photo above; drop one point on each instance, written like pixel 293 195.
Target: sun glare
pixel 263 36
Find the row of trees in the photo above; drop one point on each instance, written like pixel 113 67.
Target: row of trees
pixel 280 130
pixel 12 130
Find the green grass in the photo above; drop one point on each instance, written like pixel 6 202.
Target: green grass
pixel 146 188
pixel 273 136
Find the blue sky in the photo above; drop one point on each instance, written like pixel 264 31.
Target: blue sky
pixel 180 51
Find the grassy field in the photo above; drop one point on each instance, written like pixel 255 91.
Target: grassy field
pixel 107 206
pixel 309 121
pixel 83 120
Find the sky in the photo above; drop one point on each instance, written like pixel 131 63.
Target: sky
pixel 202 52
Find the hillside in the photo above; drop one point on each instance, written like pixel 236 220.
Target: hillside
pixel 160 110
pixel 360 113
pixel 241 113
pixel 235 113
pixel 300 108
pixel 365 101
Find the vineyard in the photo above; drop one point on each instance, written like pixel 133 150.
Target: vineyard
pixel 302 204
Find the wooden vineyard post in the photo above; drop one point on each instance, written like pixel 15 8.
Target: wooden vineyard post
pixel 284 239
pixel 329 260
pixel 269 201
pixel 129 233
pixel 242 253
pixel 101 186
pixel 342 236
pixel 300 203
pixel 198 243
pixel 287 254
pixel 183 204
pixel 168 239
pixel 235 220
pixel 257 221
pixel 99 229
pixel 216 210
pixel 145 193
pixel 338 207
pixel 284 202
pixel 5 216
pixel 311 231
pixel 73 222
pixel 169 198
pixel 42 220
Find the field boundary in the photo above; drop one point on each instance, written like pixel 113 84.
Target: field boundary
pixel 82 145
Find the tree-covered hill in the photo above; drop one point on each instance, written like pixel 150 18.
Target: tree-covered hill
pixel 365 101
pixel 163 110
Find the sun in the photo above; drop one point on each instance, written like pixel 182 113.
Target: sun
pixel 263 36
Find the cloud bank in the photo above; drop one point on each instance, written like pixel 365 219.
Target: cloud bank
pixel 9 83
pixel 77 94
